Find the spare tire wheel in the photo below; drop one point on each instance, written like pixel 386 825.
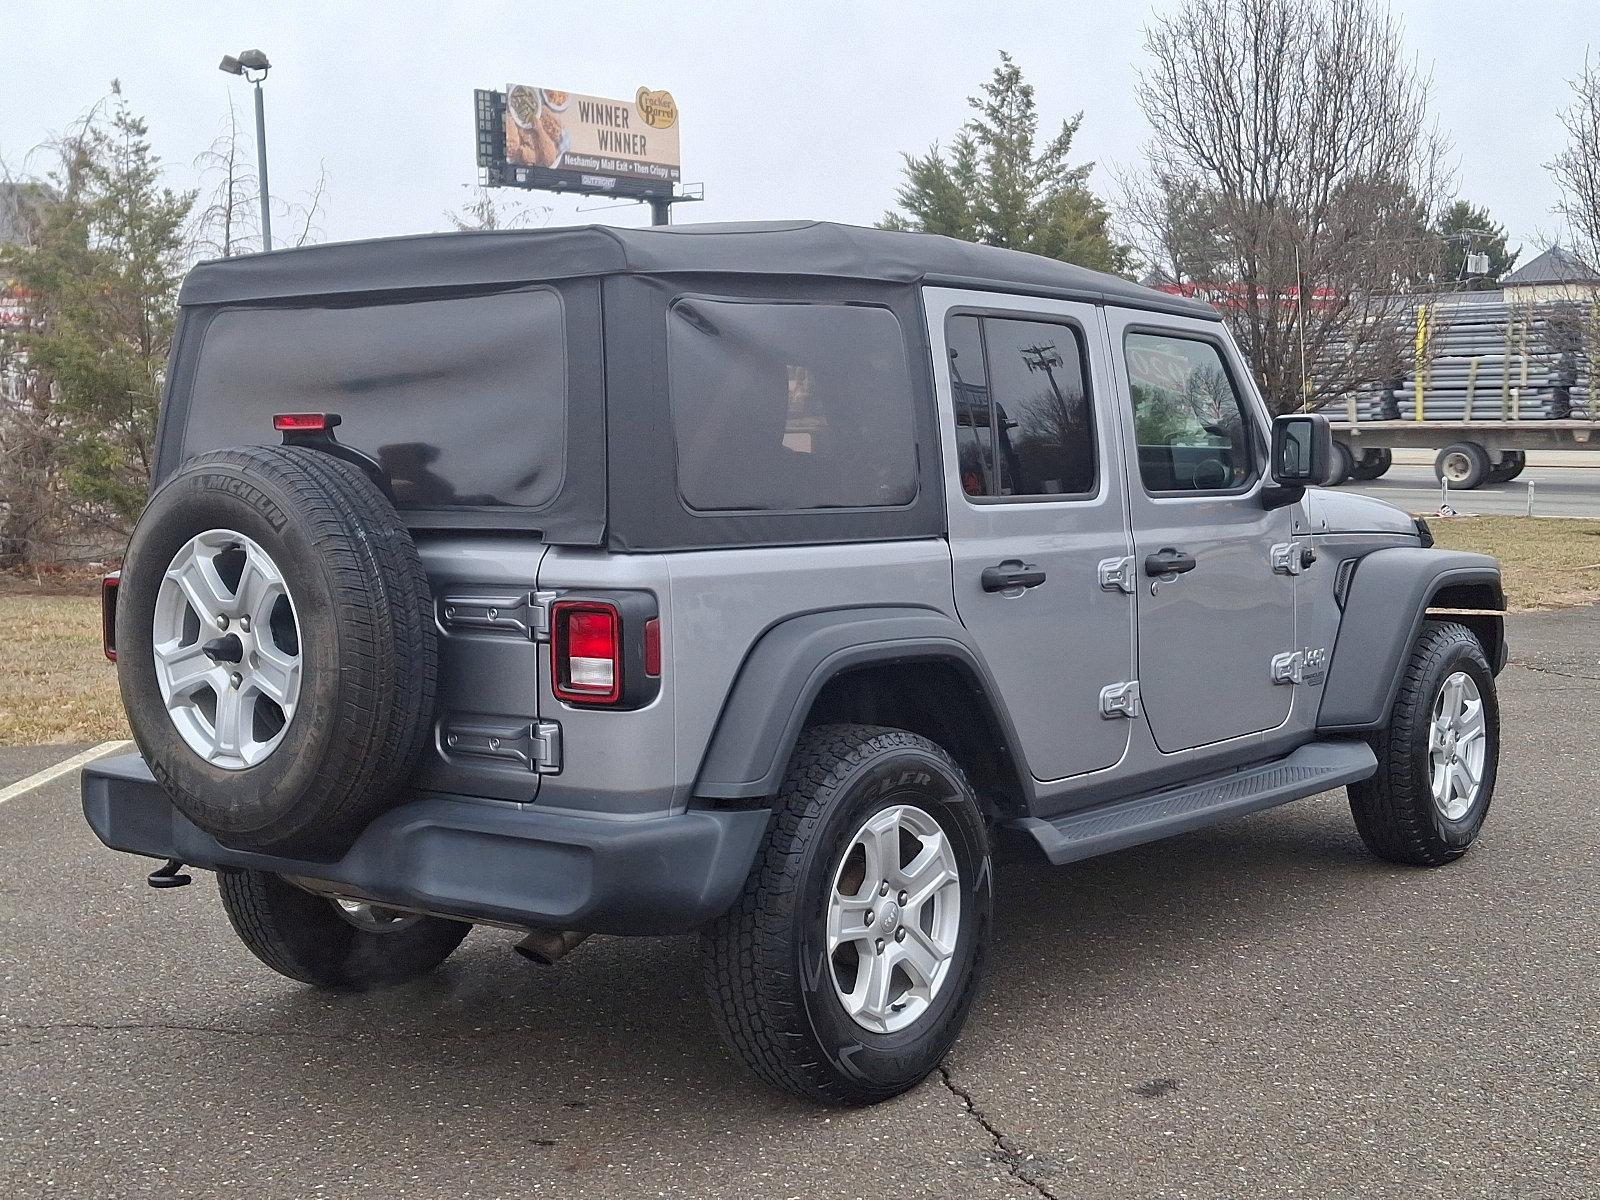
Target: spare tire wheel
pixel 276 648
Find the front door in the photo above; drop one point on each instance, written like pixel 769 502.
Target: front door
pixel 1213 612
pixel 1036 504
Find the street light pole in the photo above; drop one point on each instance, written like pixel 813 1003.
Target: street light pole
pixel 261 164
pixel 253 65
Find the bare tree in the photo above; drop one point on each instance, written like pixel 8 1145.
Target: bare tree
pixel 229 222
pixel 1577 168
pixel 482 211
pixel 1293 160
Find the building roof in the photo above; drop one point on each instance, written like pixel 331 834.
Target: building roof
pixel 1555 265
pixel 792 248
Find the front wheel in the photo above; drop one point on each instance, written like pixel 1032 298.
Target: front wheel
pixel 1342 466
pixel 339 945
pixel 1438 756
pixel 848 966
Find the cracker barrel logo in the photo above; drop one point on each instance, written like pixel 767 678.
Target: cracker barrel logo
pixel 659 109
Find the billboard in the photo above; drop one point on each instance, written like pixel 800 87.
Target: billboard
pixel 565 141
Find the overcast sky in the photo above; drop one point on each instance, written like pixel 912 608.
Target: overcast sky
pixel 791 110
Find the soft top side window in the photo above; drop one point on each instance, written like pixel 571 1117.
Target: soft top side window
pixel 790 406
pixel 1190 421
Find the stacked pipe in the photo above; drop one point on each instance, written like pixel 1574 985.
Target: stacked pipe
pixel 1474 357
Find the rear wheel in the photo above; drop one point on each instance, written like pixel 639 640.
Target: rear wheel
pixel 1438 756
pixel 1372 464
pixel 339 945
pixel 1462 465
pixel 848 966
pixel 1511 464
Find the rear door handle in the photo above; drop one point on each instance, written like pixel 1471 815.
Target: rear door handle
pixel 1011 574
pixel 1168 561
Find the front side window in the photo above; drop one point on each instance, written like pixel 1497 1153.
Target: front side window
pixel 1189 419
pixel 1024 425
pixel 786 407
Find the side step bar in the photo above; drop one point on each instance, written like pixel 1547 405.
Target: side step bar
pixel 1122 823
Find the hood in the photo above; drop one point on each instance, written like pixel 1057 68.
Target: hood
pixel 1347 512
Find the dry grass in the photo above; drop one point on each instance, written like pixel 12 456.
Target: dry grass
pixel 55 684
pixel 1549 562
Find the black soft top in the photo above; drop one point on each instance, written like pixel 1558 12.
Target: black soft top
pixel 817 249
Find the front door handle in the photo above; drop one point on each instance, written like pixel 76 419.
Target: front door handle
pixel 1011 574
pixel 1168 561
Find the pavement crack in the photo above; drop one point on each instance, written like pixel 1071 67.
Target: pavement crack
pixel 1526 666
pixel 1014 1160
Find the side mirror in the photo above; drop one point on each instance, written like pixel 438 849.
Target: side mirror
pixel 1302 449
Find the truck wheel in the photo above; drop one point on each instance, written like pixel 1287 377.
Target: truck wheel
pixel 1372 464
pixel 846 969
pixel 1342 466
pixel 1438 755
pixel 340 945
pixel 1511 464
pixel 276 648
pixel 1464 464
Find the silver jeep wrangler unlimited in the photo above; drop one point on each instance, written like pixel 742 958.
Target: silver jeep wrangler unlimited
pixel 754 580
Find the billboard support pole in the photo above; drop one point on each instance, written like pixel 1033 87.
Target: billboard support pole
pixel 660 210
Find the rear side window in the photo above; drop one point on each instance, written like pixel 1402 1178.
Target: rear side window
pixel 1024 420
pixel 787 407
pixel 1188 418
pixel 463 401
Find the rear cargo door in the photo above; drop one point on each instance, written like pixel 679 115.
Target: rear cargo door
pixel 489 740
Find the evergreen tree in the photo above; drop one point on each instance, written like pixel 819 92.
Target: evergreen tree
pixel 102 272
pixel 998 186
pixel 1464 229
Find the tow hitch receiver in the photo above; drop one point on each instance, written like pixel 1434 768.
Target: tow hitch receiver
pixel 169 875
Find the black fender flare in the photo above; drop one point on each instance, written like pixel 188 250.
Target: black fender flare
pixel 1388 597
pixel 793 660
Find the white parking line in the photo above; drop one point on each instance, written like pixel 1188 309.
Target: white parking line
pixel 40 778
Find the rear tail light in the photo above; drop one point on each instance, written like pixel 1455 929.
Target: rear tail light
pixel 586 651
pixel 108 614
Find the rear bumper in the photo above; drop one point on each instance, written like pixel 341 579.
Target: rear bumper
pixel 485 860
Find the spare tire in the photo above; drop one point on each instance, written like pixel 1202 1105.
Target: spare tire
pixel 276 648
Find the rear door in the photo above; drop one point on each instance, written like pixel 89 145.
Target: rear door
pixel 1213 610
pixel 1036 510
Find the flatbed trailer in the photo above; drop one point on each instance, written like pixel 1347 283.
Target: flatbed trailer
pixel 1470 452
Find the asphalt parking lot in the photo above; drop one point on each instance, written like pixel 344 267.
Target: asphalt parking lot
pixel 1257 1010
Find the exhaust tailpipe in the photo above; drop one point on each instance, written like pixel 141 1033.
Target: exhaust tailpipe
pixel 545 946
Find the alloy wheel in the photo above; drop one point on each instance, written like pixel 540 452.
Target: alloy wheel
pixel 894 913
pixel 227 649
pixel 1457 744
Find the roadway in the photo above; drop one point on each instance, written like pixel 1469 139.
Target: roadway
pixel 1557 492
pixel 1257 1010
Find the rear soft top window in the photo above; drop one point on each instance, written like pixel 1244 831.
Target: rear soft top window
pixel 784 407
pixel 462 400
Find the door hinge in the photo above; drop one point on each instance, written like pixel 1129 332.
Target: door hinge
pixel 1116 575
pixel 1120 699
pixel 535 745
pixel 1288 667
pixel 520 614
pixel 1286 559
